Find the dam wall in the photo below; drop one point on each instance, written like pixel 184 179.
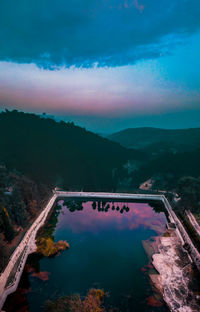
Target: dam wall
pixel 27 246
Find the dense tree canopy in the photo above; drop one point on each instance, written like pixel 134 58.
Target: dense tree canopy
pixel 59 153
pixel 189 191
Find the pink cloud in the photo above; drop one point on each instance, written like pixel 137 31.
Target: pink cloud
pixel 135 3
pixel 126 4
pixel 118 92
pixel 138 215
pixel 138 6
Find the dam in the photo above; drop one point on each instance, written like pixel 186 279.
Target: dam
pixel 10 278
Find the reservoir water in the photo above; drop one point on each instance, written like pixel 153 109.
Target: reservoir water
pixel 106 252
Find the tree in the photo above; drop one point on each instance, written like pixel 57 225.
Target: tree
pixel 8 228
pixel 189 191
pixel 4 252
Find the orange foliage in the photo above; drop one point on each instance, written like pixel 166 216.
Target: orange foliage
pixel 44 276
pixel 92 302
pixel 73 303
pixel 154 302
pixel 47 247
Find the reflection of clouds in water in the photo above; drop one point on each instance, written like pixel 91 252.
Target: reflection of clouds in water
pixel 94 221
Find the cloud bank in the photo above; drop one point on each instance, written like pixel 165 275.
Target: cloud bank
pixel 81 33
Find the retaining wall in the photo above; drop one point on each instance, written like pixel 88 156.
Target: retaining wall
pixel 28 242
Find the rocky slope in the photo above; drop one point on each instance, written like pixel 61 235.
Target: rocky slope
pixel 176 279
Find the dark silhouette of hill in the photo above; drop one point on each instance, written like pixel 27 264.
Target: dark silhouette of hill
pixel 59 153
pixel 168 168
pixel 155 139
pixel 171 154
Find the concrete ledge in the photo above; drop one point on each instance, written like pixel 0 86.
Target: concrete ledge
pixel 28 242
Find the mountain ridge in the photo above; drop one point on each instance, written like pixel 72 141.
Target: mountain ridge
pixel 60 153
pixel 144 137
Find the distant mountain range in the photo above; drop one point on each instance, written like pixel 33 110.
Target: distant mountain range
pixel 155 139
pixel 171 154
pixel 167 168
pixel 65 155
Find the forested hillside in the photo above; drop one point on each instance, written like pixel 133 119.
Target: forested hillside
pixel 168 168
pixel 21 199
pixel 59 153
pixel 171 154
pixel 158 140
pixel 37 154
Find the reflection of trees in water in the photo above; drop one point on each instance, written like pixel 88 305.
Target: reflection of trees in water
pixel 157 206
pixel 94 205
pixel 73 205
pixel 105 207
pixel 101 206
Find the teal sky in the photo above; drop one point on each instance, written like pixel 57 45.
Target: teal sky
pixel 106 65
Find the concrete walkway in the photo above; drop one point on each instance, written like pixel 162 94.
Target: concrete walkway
pixel 27 245
pixel 193 221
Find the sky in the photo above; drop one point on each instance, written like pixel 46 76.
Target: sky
pixel 107 65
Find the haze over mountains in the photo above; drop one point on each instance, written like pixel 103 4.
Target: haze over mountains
pixel 150 138
pixel 65 155
pixel 170 154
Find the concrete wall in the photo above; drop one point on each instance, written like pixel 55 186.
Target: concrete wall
pixel 28 246
pixel 28 242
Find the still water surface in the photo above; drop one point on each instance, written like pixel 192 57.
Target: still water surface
pixel 106 252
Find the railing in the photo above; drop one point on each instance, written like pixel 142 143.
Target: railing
pixel 31 234
pixel 26 245
pixel 193 252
